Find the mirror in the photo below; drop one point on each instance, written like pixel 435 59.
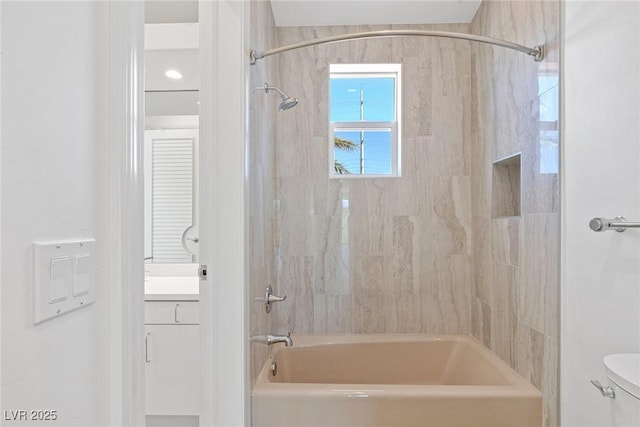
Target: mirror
pixel 171 143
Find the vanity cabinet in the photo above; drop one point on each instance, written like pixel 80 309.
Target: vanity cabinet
pixel 172 356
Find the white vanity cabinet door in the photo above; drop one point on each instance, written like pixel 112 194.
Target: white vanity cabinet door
pixel 171 313
pixel 172 375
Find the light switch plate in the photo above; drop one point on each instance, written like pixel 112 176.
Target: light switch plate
pixel 59 279
pixel 64 277
pixel 82 274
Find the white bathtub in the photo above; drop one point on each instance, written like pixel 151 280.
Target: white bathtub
pixel 392 380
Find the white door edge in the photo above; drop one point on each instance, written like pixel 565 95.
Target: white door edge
pixel 224 335
pixel 126 222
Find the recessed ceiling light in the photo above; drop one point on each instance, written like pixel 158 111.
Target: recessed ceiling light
pixel 173 74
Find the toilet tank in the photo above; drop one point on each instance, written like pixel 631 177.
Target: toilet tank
pixel 623 372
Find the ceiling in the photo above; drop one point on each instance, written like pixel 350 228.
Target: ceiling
pixel 332 12
pixel 170 46
pixel 171 42
pixel 157 62
pixel 362 12
pixel 170 11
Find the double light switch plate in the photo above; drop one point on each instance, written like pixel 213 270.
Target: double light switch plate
pixel 64 277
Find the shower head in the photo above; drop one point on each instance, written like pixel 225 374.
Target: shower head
pixel 286 103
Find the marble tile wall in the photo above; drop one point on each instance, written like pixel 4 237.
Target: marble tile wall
pixel 424 253
pixel 261 181
pixel 376 255
pixel 515 102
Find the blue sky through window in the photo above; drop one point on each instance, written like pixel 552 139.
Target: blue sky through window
pixel 378 99
pixel 378 96
pixel 377 152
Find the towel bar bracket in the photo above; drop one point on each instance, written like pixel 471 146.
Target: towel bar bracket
pixel 618 224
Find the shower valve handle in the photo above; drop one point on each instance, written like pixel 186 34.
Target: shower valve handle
pixel 269 298
pixel 605 390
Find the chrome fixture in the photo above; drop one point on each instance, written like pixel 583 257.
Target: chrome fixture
pixel 269 298
pixel 286 339
pixel 287 101
pixel 618 223
pixel 537 52
pixel 606 391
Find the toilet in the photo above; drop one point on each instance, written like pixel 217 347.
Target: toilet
pixel 623 372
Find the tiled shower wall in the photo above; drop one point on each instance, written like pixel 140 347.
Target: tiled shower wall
pixel 376 255
pixel 261 180
pixel 424 252
pixel 516 259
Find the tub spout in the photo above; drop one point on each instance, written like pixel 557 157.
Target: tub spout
pixel 286 339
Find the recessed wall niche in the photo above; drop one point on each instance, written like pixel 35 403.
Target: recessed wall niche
pixel 506 187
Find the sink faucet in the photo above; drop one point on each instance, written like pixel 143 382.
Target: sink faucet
pixel 286 339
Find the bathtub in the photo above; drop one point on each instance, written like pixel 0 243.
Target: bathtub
pixel 391 380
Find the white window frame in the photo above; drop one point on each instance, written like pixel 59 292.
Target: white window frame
pixel 351 71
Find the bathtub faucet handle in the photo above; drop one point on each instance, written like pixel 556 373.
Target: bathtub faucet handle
pixel 270 298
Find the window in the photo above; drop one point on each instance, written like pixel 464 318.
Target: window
pixel 364 117
pixel 549 106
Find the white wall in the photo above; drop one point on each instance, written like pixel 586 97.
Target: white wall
pixel 0 205
pixel 601 177
pixel 54 185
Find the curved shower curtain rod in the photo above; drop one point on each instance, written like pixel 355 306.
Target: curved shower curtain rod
pixel 537 52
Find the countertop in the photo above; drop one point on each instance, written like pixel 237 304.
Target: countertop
pixel 171 288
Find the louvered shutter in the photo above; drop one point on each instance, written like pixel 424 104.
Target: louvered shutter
pixel 171 198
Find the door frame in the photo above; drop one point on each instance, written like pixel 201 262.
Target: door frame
pixel 224 65
pixel 126 212
pixel 223 133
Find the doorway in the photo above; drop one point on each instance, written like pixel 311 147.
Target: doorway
pixel 171 214
pixel 222 317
